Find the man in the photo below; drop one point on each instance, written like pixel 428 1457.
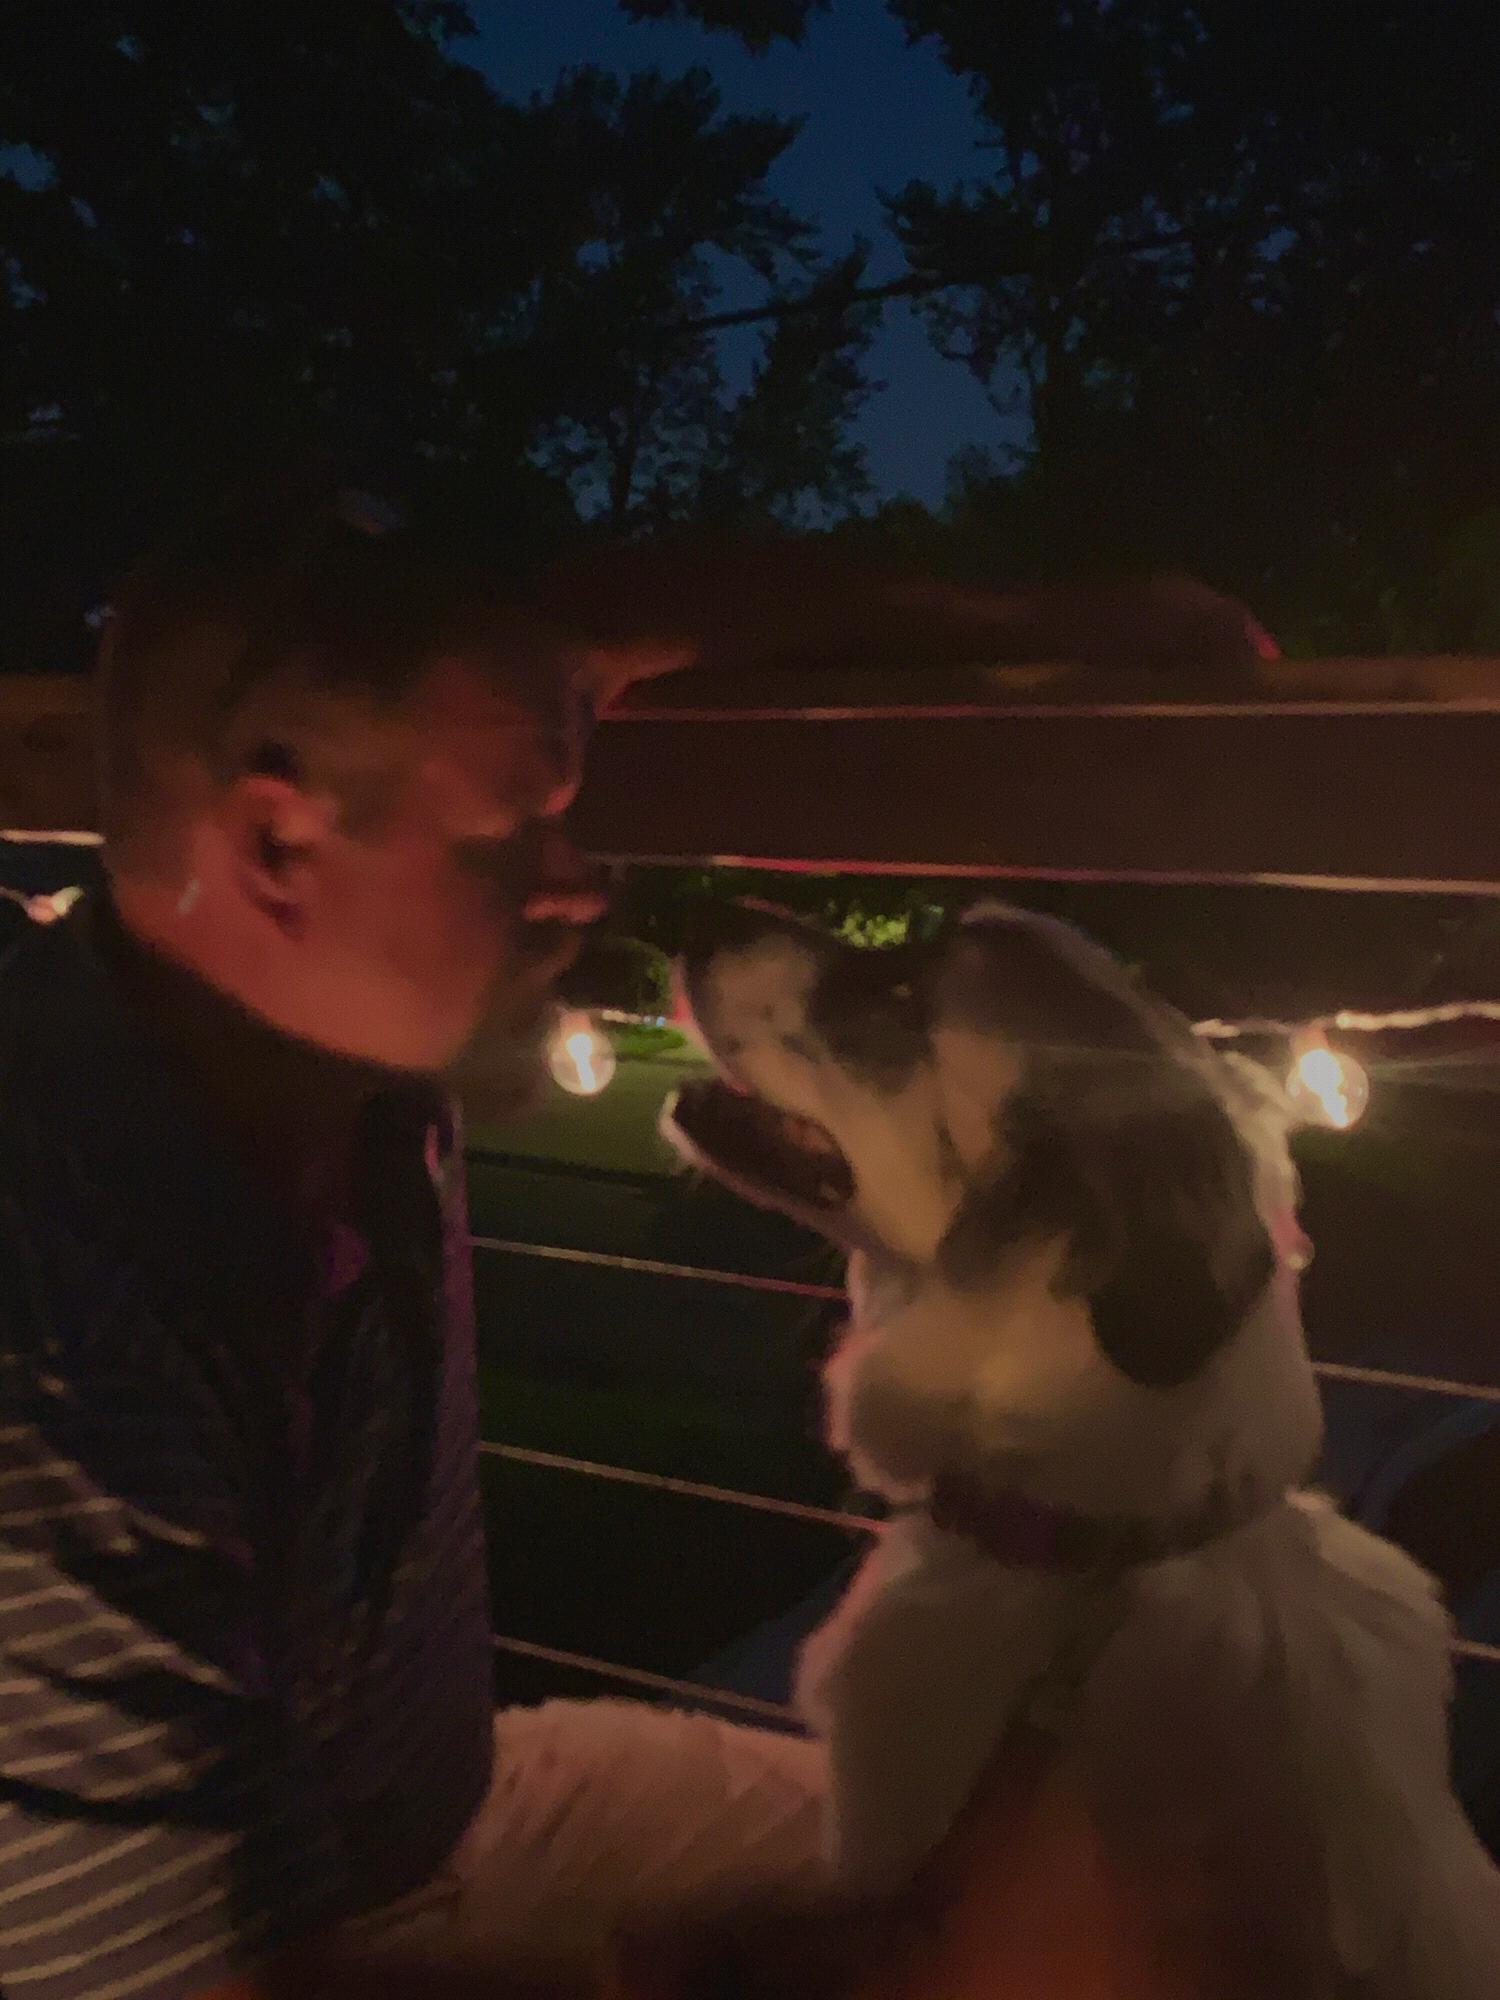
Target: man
pixel 245 1687
pixel 245 1667
pixel 244 1642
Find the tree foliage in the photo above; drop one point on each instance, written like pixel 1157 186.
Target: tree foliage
pixel 664 194
pixel 1234 282
pixel 1231 280
pixel 758 23
pixel 228 232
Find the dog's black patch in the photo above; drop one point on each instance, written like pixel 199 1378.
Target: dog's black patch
pixel 1115 1140
pixel 1146 1179
pixel 871 1010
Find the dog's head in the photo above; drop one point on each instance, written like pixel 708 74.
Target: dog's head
pixel 1009 1132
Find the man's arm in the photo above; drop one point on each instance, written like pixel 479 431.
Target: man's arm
pixel 161 1823
pixel 778 601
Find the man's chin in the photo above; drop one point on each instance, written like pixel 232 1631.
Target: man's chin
pixel 502 1074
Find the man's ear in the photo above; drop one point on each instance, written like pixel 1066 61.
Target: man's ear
pixel 275 831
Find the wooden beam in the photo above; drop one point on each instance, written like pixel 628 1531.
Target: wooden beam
pixel 46 755
pixel 1349 774
pixel 1373 796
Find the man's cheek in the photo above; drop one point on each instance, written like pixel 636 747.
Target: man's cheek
pixel 500 1073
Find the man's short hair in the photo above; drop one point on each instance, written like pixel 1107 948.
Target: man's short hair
pixel 278 635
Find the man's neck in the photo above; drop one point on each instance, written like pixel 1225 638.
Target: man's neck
pixel 291 1106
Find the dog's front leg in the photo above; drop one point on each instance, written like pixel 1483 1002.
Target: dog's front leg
pixel 915 1683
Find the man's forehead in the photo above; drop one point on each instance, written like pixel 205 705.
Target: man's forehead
pixel 513 737
pixel 540 692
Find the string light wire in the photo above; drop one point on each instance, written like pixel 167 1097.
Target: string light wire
pixel 1349 1021
pixel 1325 1085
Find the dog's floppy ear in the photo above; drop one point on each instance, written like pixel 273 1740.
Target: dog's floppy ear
pixel 1143 1174
pixel 1189 1256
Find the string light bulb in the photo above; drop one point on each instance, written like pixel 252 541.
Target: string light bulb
pixel 50 909
pixel 43 909
pixel 580 1056
pixel 1327 1086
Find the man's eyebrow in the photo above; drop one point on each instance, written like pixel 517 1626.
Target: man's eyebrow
pixel 523 802
pixel 519 722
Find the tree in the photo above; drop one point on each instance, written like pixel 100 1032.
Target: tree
pixel 784 450
pixel 1237 264
pixel 236 227
pixel 758 23
pixel 229 232
pixel 665 195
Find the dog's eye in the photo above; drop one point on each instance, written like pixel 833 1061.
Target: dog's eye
pixel 908 1005
pixel 872 1013
pixel 870 981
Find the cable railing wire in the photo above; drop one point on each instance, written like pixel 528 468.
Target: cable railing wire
pixel 690 1489
pixel 700 1694
pixel 1332 1371
pixel 694 1694
pixel 653 1267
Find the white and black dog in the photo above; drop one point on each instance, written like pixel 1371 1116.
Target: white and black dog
pixel 1076 1369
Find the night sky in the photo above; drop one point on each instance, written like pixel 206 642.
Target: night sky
pixel 876 114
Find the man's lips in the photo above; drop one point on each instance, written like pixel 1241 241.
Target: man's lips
pixel 576 908
pixel 547 951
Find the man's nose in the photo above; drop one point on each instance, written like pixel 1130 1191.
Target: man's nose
pixel 569 886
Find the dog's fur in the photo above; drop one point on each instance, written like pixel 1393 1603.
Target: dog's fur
pixel 1072 1263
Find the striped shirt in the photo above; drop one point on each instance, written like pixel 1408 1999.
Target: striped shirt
pixel 244 1642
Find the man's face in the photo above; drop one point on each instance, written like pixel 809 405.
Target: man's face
pixel 445 926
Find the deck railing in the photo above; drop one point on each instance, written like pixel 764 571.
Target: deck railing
pixel 856 1525
pixel 1337 775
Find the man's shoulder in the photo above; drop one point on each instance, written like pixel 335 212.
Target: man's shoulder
pixel 66 1070
pixel 113 1193
pixel 57 1023
pixel 22 954
pixel 48 1049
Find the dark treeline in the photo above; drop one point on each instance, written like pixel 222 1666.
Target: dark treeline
pixel 1232 279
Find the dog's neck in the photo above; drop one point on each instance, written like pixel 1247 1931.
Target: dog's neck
pixel 1020 1532
pixel 1007 1390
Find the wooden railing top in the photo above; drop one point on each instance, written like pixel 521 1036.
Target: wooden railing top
pixel 1362 774
pixel 1466 682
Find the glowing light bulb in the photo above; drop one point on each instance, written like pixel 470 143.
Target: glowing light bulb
pixel 580 1055
pixel 1327 1086
pixel 48 909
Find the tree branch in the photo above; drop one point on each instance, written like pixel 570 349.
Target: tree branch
pixel 914 285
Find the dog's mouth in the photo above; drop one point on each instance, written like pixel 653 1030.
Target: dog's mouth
pixel 769 1156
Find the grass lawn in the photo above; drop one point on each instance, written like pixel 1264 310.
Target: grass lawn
pixel 615 1131
pixel 693 1380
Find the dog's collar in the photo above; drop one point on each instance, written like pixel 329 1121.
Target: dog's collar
pixel 1026 1533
